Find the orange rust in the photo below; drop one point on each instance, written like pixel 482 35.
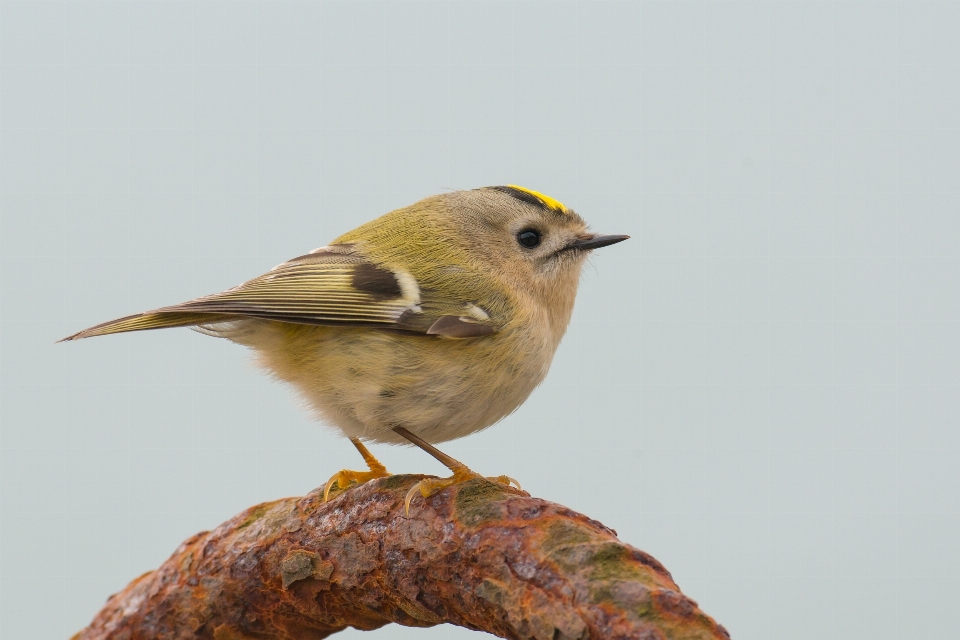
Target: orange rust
pixel 477 554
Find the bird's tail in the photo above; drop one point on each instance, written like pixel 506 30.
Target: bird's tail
pixel 151 320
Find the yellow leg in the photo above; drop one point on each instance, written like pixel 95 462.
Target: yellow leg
pixel 461 473
pixel 345 477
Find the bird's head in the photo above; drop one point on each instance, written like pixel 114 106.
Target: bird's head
pixel 528 239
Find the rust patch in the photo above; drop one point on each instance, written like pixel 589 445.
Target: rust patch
pixel 301 564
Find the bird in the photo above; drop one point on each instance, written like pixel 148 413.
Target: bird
pixel 427 324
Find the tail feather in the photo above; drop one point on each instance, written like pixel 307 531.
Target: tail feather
pixel 150 320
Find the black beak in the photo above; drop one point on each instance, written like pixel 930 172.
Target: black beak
pixel 596 241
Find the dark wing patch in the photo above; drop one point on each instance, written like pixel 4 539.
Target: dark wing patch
pixel 378 283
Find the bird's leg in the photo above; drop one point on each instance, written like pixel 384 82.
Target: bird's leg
pixel 461 472
pixel 345 478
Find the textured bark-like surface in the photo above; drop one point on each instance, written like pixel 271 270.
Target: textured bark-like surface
pixel 478 555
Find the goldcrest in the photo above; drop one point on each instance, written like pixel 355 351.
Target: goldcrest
pixel 427 324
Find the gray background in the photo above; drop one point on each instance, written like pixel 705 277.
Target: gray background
pixel 760 389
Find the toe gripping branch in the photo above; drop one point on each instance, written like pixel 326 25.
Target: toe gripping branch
pixel 345 477
pixel 429 486
pixel 461 473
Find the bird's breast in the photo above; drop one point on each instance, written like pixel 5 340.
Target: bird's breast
pixel 366 381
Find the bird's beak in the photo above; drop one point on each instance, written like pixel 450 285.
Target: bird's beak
pixel 595 241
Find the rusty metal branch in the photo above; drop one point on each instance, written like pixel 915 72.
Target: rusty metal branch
pixel 477 555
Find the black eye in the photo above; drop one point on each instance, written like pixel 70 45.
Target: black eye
pixel 529 238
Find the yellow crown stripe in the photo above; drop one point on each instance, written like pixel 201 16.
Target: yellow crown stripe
pixel 547 200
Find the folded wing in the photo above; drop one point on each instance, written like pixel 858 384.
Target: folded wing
pixel 334 286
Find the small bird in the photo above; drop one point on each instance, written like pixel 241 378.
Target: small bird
pixel 427 324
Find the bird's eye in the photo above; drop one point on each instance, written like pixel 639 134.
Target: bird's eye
pixel 529 238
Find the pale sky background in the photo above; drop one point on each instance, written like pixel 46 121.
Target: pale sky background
pixel 761 388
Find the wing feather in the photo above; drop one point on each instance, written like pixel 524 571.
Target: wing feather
pixel 332 286
pixel 318 288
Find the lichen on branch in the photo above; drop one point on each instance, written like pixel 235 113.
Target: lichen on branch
pixel 478 555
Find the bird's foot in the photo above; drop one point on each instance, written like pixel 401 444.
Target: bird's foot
pixel 430 486
pixel 346 478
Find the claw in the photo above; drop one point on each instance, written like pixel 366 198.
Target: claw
pixel 507 480
pixel 334 479
pixel 409 497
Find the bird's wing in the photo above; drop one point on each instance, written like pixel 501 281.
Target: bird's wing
pixel 334 286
